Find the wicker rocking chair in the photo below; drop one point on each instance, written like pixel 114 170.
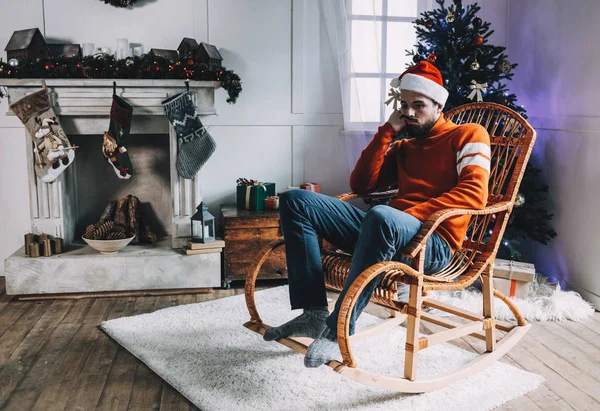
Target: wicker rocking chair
pixel 512 139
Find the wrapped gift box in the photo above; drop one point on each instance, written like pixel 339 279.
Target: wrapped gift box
pixel 252 197
pixel 512 278
pixel 311 187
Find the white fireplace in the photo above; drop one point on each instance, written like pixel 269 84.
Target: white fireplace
pixel 57 208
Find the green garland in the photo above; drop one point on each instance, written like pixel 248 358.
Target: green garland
pixel 120 3
pixel 147 66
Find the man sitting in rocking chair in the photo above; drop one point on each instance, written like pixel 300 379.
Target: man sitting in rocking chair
pixel 442 165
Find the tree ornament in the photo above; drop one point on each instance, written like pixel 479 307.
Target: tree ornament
pixel 520 200
pixel 432 58
pixel 190 62
pixel 13 63
pixel 504 66
pixel 475 65
pixel 394 98
pixel 428 23
pixel 477 89
pixel 128 62
pixel 450 18
pixel 417 58
pixel 478 40
pixel 477 22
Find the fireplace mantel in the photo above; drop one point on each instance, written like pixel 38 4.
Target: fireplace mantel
pixel 83 106
pixel 93 97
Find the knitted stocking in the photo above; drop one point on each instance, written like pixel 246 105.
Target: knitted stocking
pixel 51 147
pixel 116 139
pixel 194 144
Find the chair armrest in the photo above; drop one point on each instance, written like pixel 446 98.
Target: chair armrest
pixel 420 239
pixel 371 196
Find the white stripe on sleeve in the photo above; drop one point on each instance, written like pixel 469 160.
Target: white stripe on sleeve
pixel 473 161
pixel 474 148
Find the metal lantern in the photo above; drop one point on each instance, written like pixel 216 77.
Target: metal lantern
pixel 203 225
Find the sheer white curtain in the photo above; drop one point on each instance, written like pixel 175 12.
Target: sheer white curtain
pixel 368 39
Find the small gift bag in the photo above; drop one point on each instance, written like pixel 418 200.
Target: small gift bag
pixel 251 194
pixel 272 203
pixel 311 187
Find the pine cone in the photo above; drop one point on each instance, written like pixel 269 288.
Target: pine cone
pixel 89 231
pixel 116 235
pixel 102 230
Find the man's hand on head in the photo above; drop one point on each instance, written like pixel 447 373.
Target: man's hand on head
pixel 397 121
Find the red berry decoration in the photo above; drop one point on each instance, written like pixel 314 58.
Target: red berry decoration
pixel 190 62
pixel 428 23
pixel 478 40
pixel 432 58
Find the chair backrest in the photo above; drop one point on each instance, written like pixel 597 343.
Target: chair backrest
pixel 512 139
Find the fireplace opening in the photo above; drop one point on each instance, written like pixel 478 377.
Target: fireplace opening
pixel 96 183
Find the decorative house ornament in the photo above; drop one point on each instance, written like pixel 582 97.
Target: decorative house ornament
pixel 209 55
pixel 187 48
pixel 203 225
pixel 26 44
pixel 168 54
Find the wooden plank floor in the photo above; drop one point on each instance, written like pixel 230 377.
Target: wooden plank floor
pixel 53 356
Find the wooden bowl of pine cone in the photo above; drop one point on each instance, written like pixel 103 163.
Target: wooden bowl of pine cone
pixel 108 237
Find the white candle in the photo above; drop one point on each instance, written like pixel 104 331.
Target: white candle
pixel 87 49
pixel 122 48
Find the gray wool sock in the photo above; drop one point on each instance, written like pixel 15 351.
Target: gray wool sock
pixel 308 324
pixel 323 349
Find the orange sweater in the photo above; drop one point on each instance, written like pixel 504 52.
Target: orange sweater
pixel 449 169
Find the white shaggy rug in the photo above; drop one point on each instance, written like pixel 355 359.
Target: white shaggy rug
pixel 544 302
pixel 205 353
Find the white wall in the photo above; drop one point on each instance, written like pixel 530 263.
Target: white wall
pixel 284 127
pixel 556 44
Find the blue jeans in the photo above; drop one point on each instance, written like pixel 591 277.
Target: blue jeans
pixel 371 237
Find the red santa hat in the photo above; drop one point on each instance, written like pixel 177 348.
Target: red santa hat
pixel 423 78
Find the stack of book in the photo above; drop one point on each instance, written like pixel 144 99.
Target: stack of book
pixel 204 248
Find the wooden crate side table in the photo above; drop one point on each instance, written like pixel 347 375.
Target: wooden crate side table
pixel 245 233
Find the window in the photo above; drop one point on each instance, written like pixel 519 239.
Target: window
pixel 380 32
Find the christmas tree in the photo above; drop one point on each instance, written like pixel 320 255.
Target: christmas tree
pixel 455 39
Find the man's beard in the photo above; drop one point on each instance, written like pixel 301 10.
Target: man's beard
pixel 419 132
